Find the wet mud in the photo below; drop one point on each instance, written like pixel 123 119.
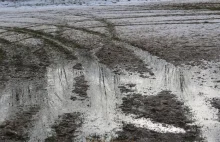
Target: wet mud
pixel 214 6
pixel 78 66
pixel 117 58
pixel 178 54
pixel 95 76
pixel 81 86
pixel 65 129
pixel 16 129
pixel 18 61
pixel 127 88
pixel 163 108
pixel 215 102
pixel 131 133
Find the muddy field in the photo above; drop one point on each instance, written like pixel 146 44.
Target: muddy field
pixel 142 73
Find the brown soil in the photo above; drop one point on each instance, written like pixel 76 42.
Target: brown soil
pixel 16 129
pixel 66 128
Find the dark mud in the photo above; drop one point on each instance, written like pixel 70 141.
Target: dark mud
pixel 57 42
pixel 66 128
pixel 127 88
pixel 215 102
pixel 117 57
pixel 177 54
pixel 131 133
pixel 2 55
pixel 81 87
pixel 78 66
pixel 16 129
pixel 163 108
pixel 19 61
pixel 214 6
pixel 48 37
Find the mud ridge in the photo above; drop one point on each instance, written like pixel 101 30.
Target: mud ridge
pixel 163 108
pixel 65 128
pixel 116 57
pixel 21 62
pixel 187 55
pixel 16 129
pixel 78 66
pixel 58 42
pixel 215 102
pixel 81 86
pixel 131 133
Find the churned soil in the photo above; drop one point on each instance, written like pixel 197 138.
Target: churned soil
pixel 117 57
pixel 163 108
pixel 78 66
pixel 65 128
pixel 215 102
pixel 16 129
pixel 178 54
pixel 131 133
pixel 81 86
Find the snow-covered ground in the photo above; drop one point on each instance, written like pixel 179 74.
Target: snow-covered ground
pixel 86 26
pixel 37 3
pixel 187 31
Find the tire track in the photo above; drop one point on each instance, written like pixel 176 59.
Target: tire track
pixel 52 40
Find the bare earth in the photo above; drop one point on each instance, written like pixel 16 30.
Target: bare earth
pixel 143 73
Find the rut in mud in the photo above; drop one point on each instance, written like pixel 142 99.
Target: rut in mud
pixel 118 73
pixel 162 108
pixel 16 129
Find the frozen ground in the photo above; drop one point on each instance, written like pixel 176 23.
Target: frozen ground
pixel 145 73
pixel 40 3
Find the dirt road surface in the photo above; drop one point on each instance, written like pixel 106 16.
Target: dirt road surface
pixel 143 73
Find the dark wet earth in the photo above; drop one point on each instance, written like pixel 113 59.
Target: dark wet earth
pixel 114 74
